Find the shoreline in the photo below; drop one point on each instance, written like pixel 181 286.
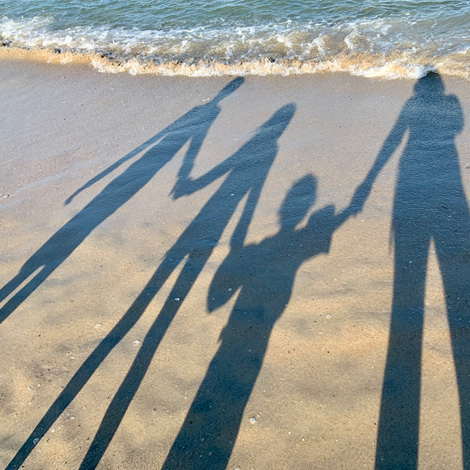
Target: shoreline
pixel 372 66
pixel 316 401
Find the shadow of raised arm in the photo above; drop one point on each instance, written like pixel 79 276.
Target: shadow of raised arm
pixel 194 120
pixel 186 186
pixel 388 148
pixel 122 160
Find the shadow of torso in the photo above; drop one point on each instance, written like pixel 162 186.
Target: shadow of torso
pixel 264 276
pixel 429 182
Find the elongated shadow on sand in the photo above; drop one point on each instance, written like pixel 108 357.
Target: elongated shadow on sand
pixel 245 173
pixel 263 277
pixel 430 206
pixel 192 127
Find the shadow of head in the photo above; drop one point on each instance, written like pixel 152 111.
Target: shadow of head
pixel 273 128
pixel 298 201
pixel 229 89
pixel 430 85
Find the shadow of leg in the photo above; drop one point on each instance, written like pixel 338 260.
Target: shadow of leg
pixel 134 377
pixel 26 291
pixel 454 262
pixel 209 432
pixel 398 433
pixel 81 377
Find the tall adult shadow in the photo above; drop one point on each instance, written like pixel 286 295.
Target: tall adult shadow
pixel 191 127
pixel 245 172
pixel 429 206
pixel 263 274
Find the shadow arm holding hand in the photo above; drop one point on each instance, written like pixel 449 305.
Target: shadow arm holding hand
pixel 152 141
pixel 351 210
pixel 115 165
pixel 184 185
pixel 363 190
pixel 391 143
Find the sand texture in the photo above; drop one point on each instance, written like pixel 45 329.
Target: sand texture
pixel 185 283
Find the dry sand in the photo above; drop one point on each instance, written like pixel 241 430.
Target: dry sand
pixel 316 401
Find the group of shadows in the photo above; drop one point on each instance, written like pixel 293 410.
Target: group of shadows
pixel 429 205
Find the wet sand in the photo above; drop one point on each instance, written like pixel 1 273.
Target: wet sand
pixel 317 399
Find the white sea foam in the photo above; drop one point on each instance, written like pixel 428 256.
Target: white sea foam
pixel 386 48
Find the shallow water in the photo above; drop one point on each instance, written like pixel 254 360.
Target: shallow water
pixel 370 38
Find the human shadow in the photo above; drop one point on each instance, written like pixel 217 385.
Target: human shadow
pixel 245 173
pixel 191 127
pixel 429 206
pixel 263 275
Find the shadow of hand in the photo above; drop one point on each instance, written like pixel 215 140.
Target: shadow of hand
pixel 179 189
pixel 359 199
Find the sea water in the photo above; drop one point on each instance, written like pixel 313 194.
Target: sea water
pixel 374 38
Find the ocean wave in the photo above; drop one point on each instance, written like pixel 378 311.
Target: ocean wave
pixel 379 47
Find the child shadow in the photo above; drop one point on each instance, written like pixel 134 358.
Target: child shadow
pixel 264 276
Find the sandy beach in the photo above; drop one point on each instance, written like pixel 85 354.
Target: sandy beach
pixel 163 317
